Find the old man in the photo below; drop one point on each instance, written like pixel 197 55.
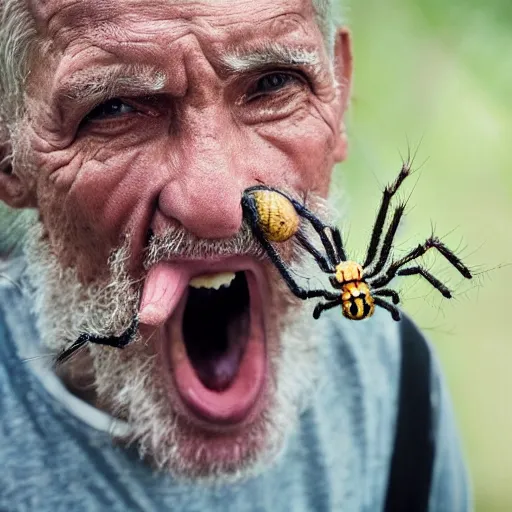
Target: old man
pixel 129 131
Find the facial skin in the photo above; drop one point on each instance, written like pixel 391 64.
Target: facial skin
pixel 138 125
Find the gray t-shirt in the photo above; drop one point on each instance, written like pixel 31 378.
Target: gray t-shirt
pixel 56 452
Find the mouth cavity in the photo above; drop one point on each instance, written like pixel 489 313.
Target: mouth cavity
pixel 210 319
pixel 216 326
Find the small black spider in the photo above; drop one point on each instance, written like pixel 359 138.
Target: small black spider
pixel 111 341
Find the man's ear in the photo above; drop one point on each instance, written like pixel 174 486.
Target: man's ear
pixel 343 75
pixel 14 191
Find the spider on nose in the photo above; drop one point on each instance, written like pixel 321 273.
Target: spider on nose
pixel 275 217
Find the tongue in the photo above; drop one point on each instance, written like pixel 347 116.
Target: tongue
pixel 218 370
pixel 163 289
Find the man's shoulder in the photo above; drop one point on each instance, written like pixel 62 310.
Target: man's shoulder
pixel 353 415
pixel 363 375
pixel 16 319
pixel 366 351
pixel 371 350
pixel 364 368
pixel 360 390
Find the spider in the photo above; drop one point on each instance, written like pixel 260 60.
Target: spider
pixel 274 216
pixel 120 341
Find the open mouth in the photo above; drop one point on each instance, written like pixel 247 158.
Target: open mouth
pixel 216 325
pixel 212 337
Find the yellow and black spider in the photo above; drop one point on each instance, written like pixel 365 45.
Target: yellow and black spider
pixel 275 217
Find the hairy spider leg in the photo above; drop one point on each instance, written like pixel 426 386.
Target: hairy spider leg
pixel 118 341
pixel 301 293
pixel 324 306
pixel 320 228
pixel 67 353
pixel 454 260
pixel 386 305
pixel 338 243
pixel 420 250
pixel 320 259
pixel 387 195
pixel 411 271
pixel 387 244
pixel 387 292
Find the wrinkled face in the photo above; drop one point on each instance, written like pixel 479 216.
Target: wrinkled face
pixel 146 121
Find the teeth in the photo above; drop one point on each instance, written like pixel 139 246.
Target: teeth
pixel 215 281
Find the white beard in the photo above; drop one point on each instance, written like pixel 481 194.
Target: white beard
pixel 65 308
pixel 136 389
pixel 131 381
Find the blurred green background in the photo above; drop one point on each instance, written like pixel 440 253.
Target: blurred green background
pixel 440 72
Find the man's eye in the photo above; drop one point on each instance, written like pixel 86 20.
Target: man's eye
pixel 111 108
pixel 272 82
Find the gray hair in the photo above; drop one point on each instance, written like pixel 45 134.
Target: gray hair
pixel 327 21
pixel 17 36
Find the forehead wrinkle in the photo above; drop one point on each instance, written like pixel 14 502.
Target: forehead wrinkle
pixel 55 17
pixel 125 37
pixel 48 11
pixel 71 12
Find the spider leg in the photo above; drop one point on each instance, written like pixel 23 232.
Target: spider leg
pixel 420 250
pixel 320 259
pixel 387 195
pixel 388 241
pixel 276 259
pixel 454 260
pixel 338 243
pixel 335 283
pixel 386 305
pixel 387 292
pixel 118 341
pixel 67 353
pixel 111 341
pixel 299 292
pixel 411 271
pixel 320 228
pixel 323 306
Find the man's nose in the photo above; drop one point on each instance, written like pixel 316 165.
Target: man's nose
pixel 205 192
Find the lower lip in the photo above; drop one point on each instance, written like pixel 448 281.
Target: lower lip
pixel 243 400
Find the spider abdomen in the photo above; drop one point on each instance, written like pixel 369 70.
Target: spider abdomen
pixel 357 301
pixel 277 217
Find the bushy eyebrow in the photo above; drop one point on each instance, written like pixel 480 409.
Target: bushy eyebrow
pixel 96 84
pixel 267 55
